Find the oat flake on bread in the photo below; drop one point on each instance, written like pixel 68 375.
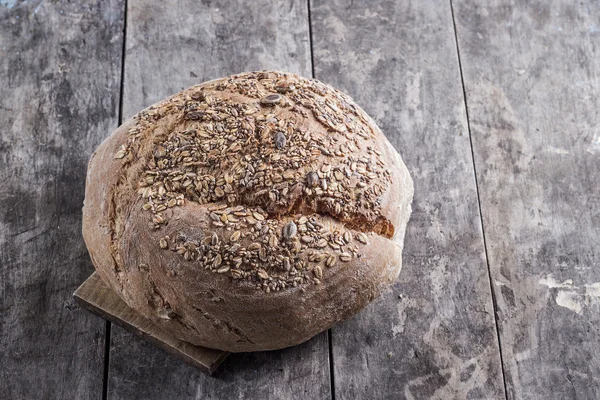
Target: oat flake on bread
pixel 249 212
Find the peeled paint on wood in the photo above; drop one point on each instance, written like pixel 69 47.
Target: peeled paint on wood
pixel 533 98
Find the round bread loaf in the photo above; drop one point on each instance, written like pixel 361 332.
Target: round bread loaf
pixel 248 213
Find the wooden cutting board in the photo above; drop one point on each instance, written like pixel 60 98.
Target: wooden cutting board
pixel 97 297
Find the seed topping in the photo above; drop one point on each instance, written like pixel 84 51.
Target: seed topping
pixel 289 230
pixel 250 165
pixel 272 99
pixel 280 140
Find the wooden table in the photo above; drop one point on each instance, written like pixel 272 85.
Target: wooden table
pixel 494 107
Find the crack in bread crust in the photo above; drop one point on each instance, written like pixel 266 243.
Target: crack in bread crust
pixel 227 325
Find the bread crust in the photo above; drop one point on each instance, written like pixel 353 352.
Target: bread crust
pixel 208 308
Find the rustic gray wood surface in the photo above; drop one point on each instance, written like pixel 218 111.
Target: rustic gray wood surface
pixel 59 94
pixel 531 79
pixel 493 106
pixel 172 45
pixel 433 335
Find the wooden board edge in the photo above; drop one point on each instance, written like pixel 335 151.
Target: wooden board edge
pixel 95 296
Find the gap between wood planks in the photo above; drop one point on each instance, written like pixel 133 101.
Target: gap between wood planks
pixel 329 335
pixel 487 260
pixel 119 122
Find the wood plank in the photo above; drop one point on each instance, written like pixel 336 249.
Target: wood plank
pixel 533 94
pixel 97 297
pixel 172 45
pixel 433 334
pixel 59 74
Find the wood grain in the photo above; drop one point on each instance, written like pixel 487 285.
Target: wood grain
pixel 433 335
pixel 59 79
pixel 171 45
pixel 97 297
pixel 533 95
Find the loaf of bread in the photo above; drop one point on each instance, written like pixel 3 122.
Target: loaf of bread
pixel 248 213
